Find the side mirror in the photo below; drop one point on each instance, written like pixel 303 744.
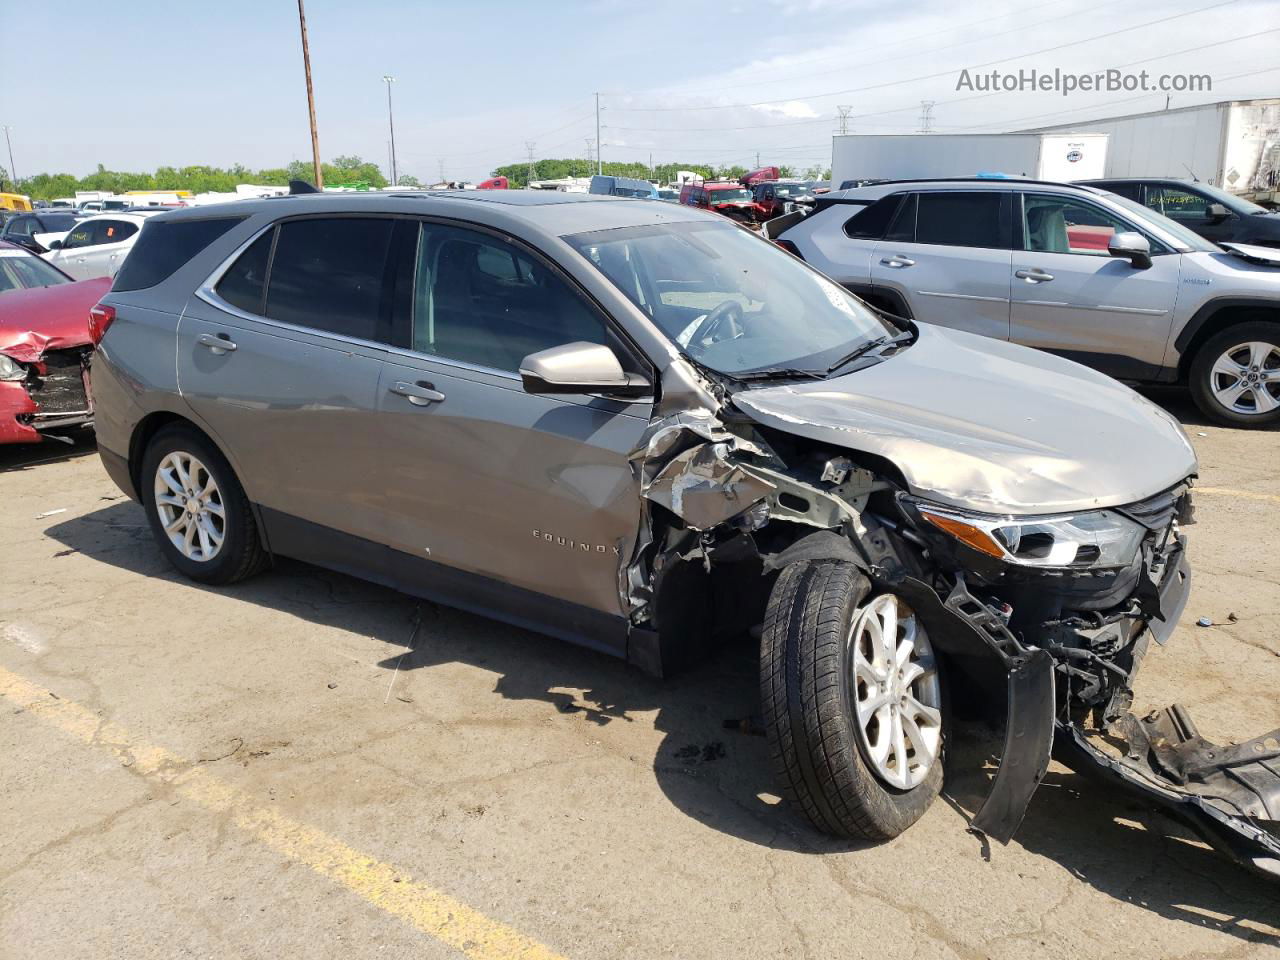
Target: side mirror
pixel 55 244
pixel 1132 247
pixel 1217 212
pixel 580 368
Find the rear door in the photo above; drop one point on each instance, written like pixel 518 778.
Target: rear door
pixel 280 358
pixel 947 254
pixel 1070 297
pixel 533 491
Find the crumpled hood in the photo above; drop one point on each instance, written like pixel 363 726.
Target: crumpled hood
pixel 38 319
pixel 990 426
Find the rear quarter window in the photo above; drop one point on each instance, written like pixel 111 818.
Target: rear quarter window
pixel 872 220
pixel 164 246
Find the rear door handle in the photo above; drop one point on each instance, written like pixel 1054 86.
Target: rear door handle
pixel 1034 276
pixel 898 260
pixel 220 344
pixel 420 394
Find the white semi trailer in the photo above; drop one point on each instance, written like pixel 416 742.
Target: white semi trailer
pixel 1234 144
pixel 1058 156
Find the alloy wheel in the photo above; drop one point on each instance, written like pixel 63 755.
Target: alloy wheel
pixel 897 696
pixel 1246 378
pixel 190 506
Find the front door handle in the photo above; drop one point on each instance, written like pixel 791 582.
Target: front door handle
pixel 898 260
pixel 220 344
pixel 420 394
pixel 1034 276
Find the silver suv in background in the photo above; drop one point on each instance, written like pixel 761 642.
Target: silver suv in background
pixel 1077 271
pixel 640 427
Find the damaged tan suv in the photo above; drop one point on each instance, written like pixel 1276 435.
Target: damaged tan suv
pixel 639 427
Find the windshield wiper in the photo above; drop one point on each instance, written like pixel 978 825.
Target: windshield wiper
pixel 777 373
pixel 864 349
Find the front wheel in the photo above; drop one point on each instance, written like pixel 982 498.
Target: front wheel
pixel 1235 377
pixel 852 702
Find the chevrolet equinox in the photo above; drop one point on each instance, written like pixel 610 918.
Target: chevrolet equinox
pixel 639 427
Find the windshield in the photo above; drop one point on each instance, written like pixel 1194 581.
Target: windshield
pixel 729 193
pixel 729 300
pixel 20 271
pixel 792 189
pixel 1181 238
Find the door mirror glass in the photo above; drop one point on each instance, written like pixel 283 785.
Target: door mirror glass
pixel 580 368
pixel 1217 212
pixel 1131 246
pixel 55 245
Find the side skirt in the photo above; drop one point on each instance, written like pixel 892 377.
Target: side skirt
pixel 292 536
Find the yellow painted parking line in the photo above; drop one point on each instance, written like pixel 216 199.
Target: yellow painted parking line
pixel 433 912
pixel 1242 494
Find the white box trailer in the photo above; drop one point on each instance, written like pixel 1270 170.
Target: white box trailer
pixel 1234 144
pixel 1058 156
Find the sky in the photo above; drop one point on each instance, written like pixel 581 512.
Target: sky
pixel 138 84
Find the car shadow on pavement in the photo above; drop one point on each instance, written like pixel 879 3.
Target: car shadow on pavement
pixel 712 762
pixel 23 456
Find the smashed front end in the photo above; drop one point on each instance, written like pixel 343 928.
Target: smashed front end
pixel 43 386
pixel 1050 615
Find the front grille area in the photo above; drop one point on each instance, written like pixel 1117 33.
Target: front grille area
pixel 60 392
pixel 1156 513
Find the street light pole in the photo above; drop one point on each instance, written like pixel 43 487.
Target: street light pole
pixel 13 174
pixel 599 142
pixel 311 99
pixel 388 80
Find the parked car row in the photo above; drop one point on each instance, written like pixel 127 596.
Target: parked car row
pixel 1071 269
pixel 636 426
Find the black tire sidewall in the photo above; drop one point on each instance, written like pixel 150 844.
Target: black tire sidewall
pixel 1202 371
pixel 239 526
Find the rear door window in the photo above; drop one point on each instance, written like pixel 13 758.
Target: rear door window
pixel 244 285
pixel 114 231
pixel 964 219
pixel 334 274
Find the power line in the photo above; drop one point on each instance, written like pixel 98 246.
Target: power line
pixel 945 73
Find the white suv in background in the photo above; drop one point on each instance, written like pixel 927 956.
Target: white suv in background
pixel 1073 270
pixel 97 246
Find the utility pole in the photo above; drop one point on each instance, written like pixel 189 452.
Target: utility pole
pixel 311 99
pixel 391 123
pixel 599 142
pixel 843 110
pixel 529 145
pixel 442 180
pixel 926 116
pixel 13 174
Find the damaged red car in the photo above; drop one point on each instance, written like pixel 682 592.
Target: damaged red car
pixel 46 341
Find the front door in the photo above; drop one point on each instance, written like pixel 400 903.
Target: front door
pixel 534 492
pixel 1071 297
pixel 947 254
pixel 284 370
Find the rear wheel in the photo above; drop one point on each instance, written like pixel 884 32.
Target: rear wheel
pixel 1235 376
pixel 197 510
pixel 852 702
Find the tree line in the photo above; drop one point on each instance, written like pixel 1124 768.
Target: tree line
pixel 344 170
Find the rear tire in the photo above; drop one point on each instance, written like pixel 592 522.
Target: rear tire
pixel 820 754
pixel 1235 375
pixel 224 546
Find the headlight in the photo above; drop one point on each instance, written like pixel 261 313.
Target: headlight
pixel 11 369
pixel 1101 538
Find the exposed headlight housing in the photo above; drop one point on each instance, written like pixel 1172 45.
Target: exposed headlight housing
pixel 1100 538
pixel 11 369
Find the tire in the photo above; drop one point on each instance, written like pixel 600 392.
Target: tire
pixel 818 753
pixel 1211 380
pixel 239 553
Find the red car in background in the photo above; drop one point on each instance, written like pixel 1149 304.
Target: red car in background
pixel 731 199
pixel 46 341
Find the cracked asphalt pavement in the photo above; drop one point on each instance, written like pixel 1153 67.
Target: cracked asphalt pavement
pixel 307 765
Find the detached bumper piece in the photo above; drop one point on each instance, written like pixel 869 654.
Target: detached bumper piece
pixel 1230 795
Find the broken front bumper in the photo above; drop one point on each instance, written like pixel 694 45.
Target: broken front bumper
pixel 1229 795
